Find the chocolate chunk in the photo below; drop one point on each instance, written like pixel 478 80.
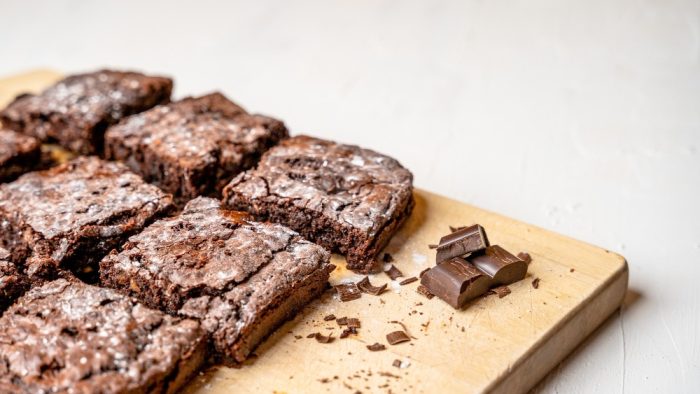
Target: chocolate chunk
pixel 536 283
pixel 387 258
pixel 461 242
pixel 376 347
pixel 393 272
pixel 422 290
pixel 342 321
pixel 456 281
pixel 396 363
pixel 408 280
pixel 397 337
pixel 501 291
pixel 366 287
pixel 353 323
pixel 329 317
pixel 500 265
pixel 525 256
pixel 320 338
pixel 348 292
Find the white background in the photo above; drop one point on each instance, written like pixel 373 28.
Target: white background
pixel 578 116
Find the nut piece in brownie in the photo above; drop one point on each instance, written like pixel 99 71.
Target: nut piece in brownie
pixel 348 199
pixel 241 278
pixel 12 282
pixel 77 110
pixel 71 215
pixel 194 146
pixel 19 153
pixel 70 337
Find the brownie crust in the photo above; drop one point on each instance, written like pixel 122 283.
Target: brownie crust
pixel 240 278
pixel 19 153
pixel 67 336
pixel 76 111
pixel 345 198
pixel 70 216
pixel 194 146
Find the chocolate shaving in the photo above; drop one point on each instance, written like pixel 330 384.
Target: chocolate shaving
pixel 348 292
pixel 525 256
pixel 346 332
pixel 376 347
pixel 387 258
pixel 329 317
pixel 501 291
pixel 403 326
pixel 536 283
pixel 422 290
pixel 366 287
pixel 320 338
pixel 432 246
pixel 408 280
pixel 342 321
pixel 353 323
pixel 396 363
pixel 393 272
pixel 397 337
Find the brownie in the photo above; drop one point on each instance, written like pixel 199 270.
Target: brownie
pixel 194 146
pixel 348 199
pixel 71 215
pixel 77 110
pixel 12 281
pixel 70 337
pixel 240 278
pixel 19 153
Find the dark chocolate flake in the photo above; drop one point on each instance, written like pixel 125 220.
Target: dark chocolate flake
pixel 397 337
pixel 408 280
pixel 393 272
pixel 342 321
pixel 366 287
pixel 346 332
pixel 501 291
pixel 348 292
pixel 353 323
pixel 329 317
pixel 396 363
pixel 312 335
pixel 536 283
pixel 320 338
pixel 376 347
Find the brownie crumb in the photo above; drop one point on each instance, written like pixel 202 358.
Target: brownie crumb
pixel 376 347
pixel 422 290
pixel 393 272
pixel 408 280
pixel 348 292
pixel 366 287
pixel 396 337
pixel 536 283
pixel 329 317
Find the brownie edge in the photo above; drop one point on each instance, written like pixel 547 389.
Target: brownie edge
pixel 19 153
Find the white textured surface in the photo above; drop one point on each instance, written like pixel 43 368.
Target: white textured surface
pixel 579 116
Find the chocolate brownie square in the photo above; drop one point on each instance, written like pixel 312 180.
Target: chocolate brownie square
pixel 70 337
pixel 71 215
pixel 19 153
pixel 76 111
pixel 194 146
pixel 348 199
pixel 12 282
pixel 241 278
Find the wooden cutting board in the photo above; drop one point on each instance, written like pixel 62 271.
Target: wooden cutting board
pixel 495 344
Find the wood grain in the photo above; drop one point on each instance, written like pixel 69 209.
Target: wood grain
pixel 494 345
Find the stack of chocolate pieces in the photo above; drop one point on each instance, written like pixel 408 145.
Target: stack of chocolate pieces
pixel 467 266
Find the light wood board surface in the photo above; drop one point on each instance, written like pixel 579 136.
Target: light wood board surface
pixel 497 345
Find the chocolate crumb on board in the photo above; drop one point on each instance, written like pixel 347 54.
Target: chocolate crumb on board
pixel 572 270
pixel 342 321
pixel 403 326
pixel 366 287
pixel 394 272
pixel 525 256
pixel 297 337
pixel 387 258
pixel 348 292
pixel 408 280
pixel 396 363
pixel 353 323
pixel 500 291
pixel 320 338
pixel 312 335
pixel 536 283
pixel 375 347
pixel 422 290
pixel 346 332
pixel 388 375
pixel 329 317
pixel 397 337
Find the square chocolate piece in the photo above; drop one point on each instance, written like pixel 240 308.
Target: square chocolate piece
pixel 348 199
pixel 70 337
pixel 194 146
pixel 241 278
pixel 71 215
pixel 76 111
pixel 13 283
pixel 19 153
